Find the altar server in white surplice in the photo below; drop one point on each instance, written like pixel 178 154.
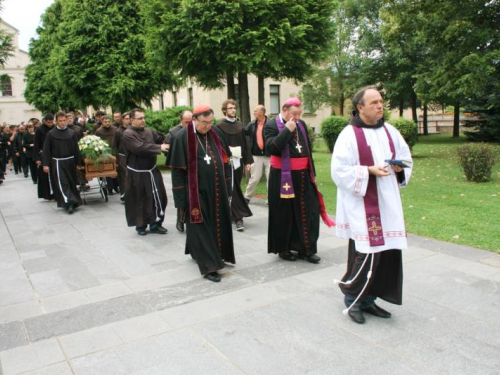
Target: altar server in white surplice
pixel 371 162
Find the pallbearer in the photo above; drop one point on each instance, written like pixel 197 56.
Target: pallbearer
pixel 199 158
pixel 61 155
pixel 369 209
pixel 295 204
pixel 45 187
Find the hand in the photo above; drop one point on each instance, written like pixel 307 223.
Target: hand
pixel 24 149
pixel 291 125
pixel 46 169
pixel 38 162
pixel 378 171
pixel 248 167
pixel 17 153
pixel 397 168
pixel 164 147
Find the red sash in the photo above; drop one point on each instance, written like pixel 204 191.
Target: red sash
pixel 296 164
pixel 372 209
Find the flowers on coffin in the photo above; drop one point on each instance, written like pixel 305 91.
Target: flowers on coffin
pixel 95 149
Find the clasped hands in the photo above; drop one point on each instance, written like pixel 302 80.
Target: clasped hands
pixel 382 170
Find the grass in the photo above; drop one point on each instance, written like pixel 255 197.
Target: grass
pixel 438 202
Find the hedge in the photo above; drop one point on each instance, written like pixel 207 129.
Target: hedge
pixel 162 121
pixel 331 128
pixel 477 160
pixel 408 129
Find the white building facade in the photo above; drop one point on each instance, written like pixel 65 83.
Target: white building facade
pixel 13 106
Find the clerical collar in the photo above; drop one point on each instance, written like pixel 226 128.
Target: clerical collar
pixel 57 126
pixel 356 121
pixel 231 119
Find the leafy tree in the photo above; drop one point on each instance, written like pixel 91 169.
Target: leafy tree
pixel 212 41
pixel 6 47
pixel 44 90
pixel 102 56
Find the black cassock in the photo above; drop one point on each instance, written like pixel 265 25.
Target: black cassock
pixel 293 222
pixel 121 161
pixel 45 186
pixel 235 136
pixel 210 242
pixel 146 197
pixel 61 154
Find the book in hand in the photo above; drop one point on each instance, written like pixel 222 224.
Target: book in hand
pixel 399 162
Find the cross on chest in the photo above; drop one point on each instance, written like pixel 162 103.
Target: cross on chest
pixel 299 148
pixel 207 158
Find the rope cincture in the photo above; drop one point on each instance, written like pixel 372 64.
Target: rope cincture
pixel 156 195
pixel 348 282
pixel 59 176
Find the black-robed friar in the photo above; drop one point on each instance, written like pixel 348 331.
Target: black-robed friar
pixel 62 155
pixel 146 197
pixel 45 187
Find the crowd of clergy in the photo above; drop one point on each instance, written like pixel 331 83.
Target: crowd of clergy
pixel 208 161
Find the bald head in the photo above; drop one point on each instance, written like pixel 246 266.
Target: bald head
pixel 259 112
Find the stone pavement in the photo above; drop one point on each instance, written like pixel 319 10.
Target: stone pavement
pixel 83 294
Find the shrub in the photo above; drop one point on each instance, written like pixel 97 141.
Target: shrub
pixel 163 121
pixel 477 160
pixel 408 129
pixel 331 128
pixel 312 136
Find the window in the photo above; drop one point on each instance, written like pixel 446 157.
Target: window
pixel 174 98
pixel 307 93
pixel 190 93
pixel 5 85
pixel 162 105
pixel 274 92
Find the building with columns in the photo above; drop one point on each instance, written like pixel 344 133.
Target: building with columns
pixel 13 106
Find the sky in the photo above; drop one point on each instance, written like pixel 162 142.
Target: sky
pixel 24 15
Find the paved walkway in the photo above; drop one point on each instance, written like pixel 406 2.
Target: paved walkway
pixel 83 294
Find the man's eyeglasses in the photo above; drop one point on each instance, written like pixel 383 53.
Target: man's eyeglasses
pixel 206 122
pixel 139 118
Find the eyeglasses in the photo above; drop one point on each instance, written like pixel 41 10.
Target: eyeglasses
pixel 206 122
pixel 139 118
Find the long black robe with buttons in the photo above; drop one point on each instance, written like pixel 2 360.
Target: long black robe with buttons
pixel 293 222
pixel 62 144
pixel 210 243
pixel 146 197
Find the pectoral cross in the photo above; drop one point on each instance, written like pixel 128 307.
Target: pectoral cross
pixel 286 186
pixel 299 147
pixel 207 159
pixel 374 228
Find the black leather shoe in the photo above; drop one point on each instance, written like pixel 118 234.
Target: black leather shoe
pixel 179 226
pixel 377 311
pixel 71 209
pixel 213 276
pixel 356 314
pixel 311 259
pixel 158 229
pixel 141 231
pixel 286 255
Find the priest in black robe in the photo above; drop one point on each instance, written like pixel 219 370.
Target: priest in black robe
pixel 234 132
pixel 119 151
pixel 146 197
pixel 199 159
pixel 61 156
pixel 44 181
pixel 295 204
pixel 185 119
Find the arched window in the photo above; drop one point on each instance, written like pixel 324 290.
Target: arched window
pixel 5 85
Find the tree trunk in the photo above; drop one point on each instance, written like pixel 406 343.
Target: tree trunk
pixel 425 123
pixel 414 107
pixel 401 107
pixel 231 93
pixel 244 98
pixel 456 120
pixel 341 103
pixel 261 89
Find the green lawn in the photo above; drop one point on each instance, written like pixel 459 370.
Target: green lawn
pixel 438 202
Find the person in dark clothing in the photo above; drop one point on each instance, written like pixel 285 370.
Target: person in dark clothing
pixel 61 155
pixel 28 146
pixel 121 162
pixel 45 188
pixel 20 157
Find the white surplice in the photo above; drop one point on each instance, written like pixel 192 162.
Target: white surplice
pixel 352 181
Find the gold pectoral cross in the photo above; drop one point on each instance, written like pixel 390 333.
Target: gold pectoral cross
pixel 374 228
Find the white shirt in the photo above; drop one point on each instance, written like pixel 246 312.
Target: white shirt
pixel 351 179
